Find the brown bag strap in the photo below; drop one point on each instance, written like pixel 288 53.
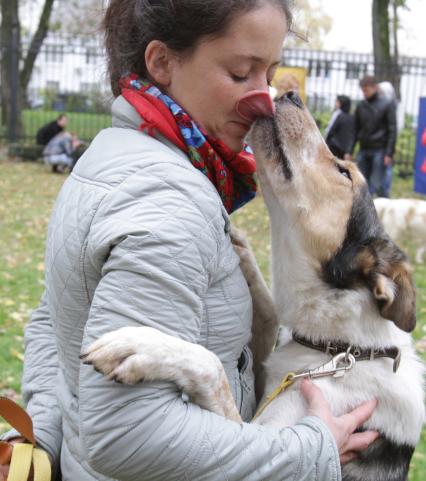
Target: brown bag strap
pixel 20 456
pixel 18 418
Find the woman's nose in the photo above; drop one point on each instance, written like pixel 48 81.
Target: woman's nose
pixel 254 104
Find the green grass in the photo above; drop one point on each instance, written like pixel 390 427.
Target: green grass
pixel 85 125
pixel 28 192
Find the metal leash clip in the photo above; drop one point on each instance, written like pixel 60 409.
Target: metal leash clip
pixel 336 367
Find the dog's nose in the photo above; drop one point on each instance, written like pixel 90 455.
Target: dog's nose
pixel 294 98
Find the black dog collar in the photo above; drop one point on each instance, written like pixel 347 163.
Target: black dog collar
pixel 335 347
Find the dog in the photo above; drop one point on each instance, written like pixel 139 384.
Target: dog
pixel 340 285
pixel 404 217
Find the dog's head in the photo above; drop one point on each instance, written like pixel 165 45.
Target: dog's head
pixel 326 205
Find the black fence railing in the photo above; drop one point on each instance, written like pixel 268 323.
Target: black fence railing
pixel 329 74
pixel 70 75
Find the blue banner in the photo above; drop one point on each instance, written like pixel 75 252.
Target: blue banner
pixel 420 159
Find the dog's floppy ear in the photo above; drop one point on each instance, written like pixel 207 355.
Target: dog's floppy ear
pixel 388 275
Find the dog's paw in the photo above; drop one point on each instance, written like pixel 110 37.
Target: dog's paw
pixel 128 355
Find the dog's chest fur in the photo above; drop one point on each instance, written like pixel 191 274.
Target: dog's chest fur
pixel 313 309
pixel 397 416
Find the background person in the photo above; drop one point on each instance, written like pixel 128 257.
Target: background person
pixel 61 151
pixel 139 236
pixel 387 91
pixel 46 133
pixel 340 132
pixel 375 130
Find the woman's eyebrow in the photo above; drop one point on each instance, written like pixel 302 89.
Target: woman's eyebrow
pixel 254 58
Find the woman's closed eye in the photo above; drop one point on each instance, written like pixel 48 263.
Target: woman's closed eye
pixel 239 78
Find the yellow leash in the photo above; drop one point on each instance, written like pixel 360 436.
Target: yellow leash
pixel 287 381
pixel 336 367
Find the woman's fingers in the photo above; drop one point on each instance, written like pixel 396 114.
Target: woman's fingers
pixel 349 456
pixel 360 441
pixel 4 471
pixel 342 427
pixel 5 452
pixel 360 414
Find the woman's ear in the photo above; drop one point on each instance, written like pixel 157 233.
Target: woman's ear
pixel 158 61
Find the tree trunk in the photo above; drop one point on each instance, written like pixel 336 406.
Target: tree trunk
pixel 14 83
pixel 381 43
pixel 10 45
pixel 35 46
pixel 397 74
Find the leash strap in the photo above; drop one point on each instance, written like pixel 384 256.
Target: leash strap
pixel 23 454
pixel 20 463
pixel 284 384
pixel 41 464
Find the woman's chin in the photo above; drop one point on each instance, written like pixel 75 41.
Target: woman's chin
pixel 236 144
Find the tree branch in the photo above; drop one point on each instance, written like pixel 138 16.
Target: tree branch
pixel 36 43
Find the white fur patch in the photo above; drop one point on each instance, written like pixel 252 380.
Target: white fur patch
pixel 404 217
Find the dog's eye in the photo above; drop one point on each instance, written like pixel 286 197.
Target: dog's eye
pixel 344 171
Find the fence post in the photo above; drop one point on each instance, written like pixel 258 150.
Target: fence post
pixel 14 83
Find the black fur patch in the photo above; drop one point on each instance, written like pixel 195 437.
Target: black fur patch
pixel 278 150
pixel 363 230
pixel 382 461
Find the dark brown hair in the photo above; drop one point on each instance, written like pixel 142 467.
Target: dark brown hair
pixel 130 25
pixel 368 81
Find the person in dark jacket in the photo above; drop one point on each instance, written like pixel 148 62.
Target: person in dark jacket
pixel 46 133
pixel 339 134
pixel 375 130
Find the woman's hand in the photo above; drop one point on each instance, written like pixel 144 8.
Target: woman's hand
pixel 342 427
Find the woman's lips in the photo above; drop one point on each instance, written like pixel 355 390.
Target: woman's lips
pixel 254 104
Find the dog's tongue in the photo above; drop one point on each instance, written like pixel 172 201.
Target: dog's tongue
pixel 254 104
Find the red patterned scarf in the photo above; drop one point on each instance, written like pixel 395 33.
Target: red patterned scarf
pixel 233 174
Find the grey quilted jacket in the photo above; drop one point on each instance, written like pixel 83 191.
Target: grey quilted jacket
pixel 139 237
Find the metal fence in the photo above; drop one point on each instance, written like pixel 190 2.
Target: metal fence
pixel 70 76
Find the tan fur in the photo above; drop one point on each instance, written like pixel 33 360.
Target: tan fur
pixel 324 222
pixel 391 283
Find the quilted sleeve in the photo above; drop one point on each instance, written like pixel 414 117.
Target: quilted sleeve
pixel 39 383
pixel 156 243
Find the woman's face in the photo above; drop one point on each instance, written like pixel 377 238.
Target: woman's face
pixel 209 82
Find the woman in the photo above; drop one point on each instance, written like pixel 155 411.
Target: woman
pixel 140 236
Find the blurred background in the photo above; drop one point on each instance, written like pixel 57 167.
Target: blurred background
pixel 52 62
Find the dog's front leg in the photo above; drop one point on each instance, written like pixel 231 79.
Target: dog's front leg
pixel 265 321
pixel 135 354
